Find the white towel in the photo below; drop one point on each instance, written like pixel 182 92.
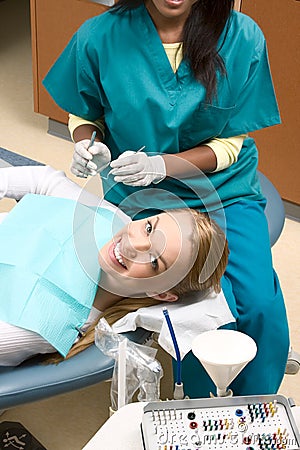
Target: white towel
pixel 190 316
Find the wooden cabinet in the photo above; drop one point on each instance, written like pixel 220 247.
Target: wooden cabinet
pixel 52 25
pixel 278 146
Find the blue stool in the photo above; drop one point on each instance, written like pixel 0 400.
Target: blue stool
pixel 274 211
pixel 32 381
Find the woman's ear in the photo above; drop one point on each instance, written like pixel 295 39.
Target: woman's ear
pixel 164 296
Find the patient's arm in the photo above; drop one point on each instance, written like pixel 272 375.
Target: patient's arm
pixel 15 182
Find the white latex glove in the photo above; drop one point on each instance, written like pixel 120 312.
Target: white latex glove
pixel 89 160
pixel 138 169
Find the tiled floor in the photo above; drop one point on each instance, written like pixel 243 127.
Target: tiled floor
pixel 67 422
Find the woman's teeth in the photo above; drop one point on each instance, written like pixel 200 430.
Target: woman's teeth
pixel 118 255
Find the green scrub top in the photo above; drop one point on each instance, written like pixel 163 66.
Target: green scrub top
pixel 115 65
pixel 49 270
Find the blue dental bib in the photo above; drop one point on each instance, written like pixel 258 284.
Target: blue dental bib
pixel 49 268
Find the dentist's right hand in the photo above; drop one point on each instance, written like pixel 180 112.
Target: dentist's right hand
pixel 89 160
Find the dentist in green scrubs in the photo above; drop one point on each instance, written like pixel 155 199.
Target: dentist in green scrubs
pixel 185 81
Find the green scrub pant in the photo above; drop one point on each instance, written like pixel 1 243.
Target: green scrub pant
pixel 253 294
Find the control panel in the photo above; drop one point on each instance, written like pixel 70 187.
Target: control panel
pixel 243 423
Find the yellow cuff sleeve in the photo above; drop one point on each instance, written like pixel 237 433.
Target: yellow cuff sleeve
pixel 75 122
pixel 226 150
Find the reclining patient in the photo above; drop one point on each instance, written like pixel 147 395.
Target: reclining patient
pixel 68 257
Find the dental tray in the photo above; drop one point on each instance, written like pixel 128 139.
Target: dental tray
pixel 244 423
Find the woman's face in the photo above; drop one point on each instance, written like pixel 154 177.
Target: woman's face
pixel 154 250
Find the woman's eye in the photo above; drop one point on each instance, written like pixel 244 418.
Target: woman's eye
pixel 154 262
pixel 148 227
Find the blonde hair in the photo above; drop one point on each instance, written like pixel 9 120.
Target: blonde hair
pixel 211 257
pixel 206 272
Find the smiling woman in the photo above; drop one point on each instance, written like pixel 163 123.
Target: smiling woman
pixel 159 246
pixel 177 251
pixel 49 266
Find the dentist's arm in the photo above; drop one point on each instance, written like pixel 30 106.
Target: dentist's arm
pixel 140 169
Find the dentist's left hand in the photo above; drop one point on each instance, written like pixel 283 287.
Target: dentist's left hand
pixel 138 169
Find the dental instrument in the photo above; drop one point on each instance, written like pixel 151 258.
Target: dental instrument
pixel 92 141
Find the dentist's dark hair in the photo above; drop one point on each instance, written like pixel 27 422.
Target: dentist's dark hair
pixel 201 35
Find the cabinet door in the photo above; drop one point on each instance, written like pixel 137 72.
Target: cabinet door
pixel 279 146
pixel 52 25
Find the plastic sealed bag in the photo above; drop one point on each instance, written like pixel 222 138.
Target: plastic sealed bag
pixel 136 369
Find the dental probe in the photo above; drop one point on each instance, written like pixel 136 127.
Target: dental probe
pixel 92 141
